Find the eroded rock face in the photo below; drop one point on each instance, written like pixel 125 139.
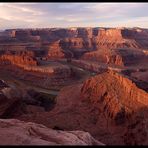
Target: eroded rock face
pixel 104 56
pixel 103 106
pixel 78 46
pixel 95 107
pixel 26 35
pixel 15 132
pixel 121 38
pixel 120 57
pixel 50 76
pixel 80 41
pixel 107 37
pixel 20 58
pixel 117 93
pixel 90 65
pixel 55 51
pixel 113 38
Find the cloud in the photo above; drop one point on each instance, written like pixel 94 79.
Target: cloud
pixel 73 14
pixel 21 8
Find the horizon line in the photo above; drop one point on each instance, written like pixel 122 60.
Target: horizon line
pixel 69 27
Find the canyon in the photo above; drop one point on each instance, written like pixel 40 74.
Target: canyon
pixel 74 86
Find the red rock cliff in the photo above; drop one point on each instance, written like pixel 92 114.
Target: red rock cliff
pixel 114 92
pixel 19 59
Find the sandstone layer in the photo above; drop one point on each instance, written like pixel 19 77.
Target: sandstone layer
pixel 15 132
pixel 21 58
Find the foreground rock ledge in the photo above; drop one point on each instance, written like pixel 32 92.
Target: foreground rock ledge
pixel 16 132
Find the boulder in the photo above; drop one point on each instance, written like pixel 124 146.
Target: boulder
pixel 15 132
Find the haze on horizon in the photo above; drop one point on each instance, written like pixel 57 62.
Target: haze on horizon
pixel 51 15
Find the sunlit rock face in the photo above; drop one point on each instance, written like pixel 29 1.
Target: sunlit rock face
pixel 78 40
pixel 111 106
pixel 118 90
pixel 121 38
pixel 105 37
pixel 20 58
pixel 15 132
pixel 103 105
pixel 92 38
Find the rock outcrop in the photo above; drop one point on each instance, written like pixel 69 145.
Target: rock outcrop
pixel 20 58
pixel 25 35
pixel 55 51
pixel 104 56
pixel 87 38
pixel 114 38
pixel 102 106
pixel 15 132
pixel 52 76
pixel 120 57
pixel 111 106
pixel 78 40
pixel 118 94
pixel 90 65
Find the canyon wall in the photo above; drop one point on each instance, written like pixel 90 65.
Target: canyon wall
pixel 120 57
pixel 20 58
pixel 103 105
pixel 89 38
pixel 16 132
pixel 55 51
pixel 53 42
pixel 115 92
pixel 104 56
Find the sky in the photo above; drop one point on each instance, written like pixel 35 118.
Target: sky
pixel 46 15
